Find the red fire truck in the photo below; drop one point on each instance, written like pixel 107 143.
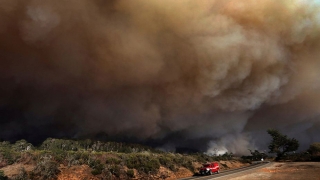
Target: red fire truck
pixel 209 168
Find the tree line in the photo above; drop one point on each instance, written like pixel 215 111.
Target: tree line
pixel 285 148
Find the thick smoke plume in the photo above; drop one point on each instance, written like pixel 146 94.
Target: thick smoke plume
pixel 204 74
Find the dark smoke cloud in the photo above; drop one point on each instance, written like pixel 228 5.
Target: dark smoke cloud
pixel 209 75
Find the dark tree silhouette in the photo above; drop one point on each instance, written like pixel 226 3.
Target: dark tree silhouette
pixel 314 148
pixel 281 144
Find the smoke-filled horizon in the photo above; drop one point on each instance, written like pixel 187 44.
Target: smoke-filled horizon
pixel 211 75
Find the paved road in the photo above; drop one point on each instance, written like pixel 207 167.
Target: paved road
pixel 230 172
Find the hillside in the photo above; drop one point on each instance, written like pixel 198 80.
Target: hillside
pixel 87 159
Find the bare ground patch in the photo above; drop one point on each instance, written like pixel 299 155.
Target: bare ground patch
pixel 283 171
pixel 12 170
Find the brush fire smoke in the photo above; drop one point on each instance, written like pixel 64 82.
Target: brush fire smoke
pixel 207 74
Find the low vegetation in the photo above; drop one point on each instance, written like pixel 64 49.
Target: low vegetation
pixel 106 159
pixel 111 160
pixel 2 176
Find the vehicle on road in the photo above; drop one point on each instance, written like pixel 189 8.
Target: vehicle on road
pixel 209 168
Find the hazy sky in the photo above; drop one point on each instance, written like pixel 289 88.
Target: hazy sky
pixel 201 74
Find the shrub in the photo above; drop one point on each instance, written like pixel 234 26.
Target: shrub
pixel 96 172
pixel 167 162
pixel 188 164
pixel 84 158
pixel 130 173
pixel 111 160
pixel 246 159
pixel 2 176
pixel 184 161
pixel 46 169
pixel 22 175
pixel 59 155
pixel 144 163
pixel 200 157
pixel 314 149
pixel 152 166
pixel 9 156
pixel 315 158
pixel 22 145
pixel 60 144
pixel 7 153
pixel 115 170
pixel 96 166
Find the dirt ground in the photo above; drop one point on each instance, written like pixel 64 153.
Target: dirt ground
pixel 282 171
pixel 13 169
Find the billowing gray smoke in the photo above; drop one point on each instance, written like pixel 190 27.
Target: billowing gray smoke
pixel 205 74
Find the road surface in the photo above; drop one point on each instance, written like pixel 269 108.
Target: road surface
pixel 224 174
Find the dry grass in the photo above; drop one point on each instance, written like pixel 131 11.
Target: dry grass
pixel 76 173
pixel 13 169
